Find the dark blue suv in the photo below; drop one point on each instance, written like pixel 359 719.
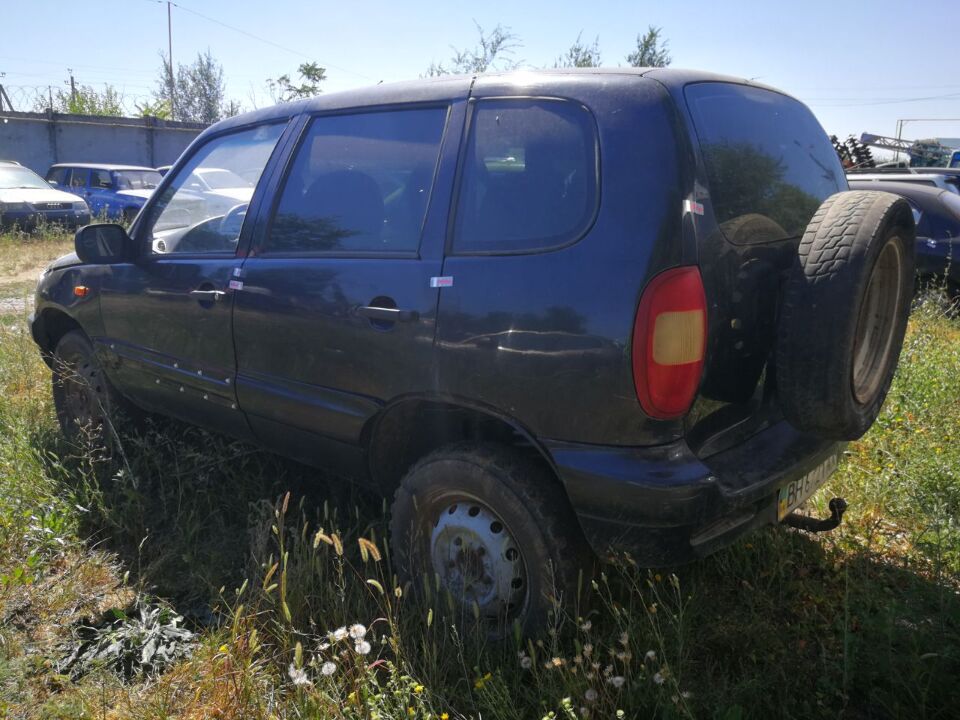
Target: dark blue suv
pixel 555 315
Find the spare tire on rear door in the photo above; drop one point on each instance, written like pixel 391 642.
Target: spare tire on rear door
pixel 844 313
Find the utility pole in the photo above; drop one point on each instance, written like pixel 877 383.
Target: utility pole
pixel 173 106
pixel 73 89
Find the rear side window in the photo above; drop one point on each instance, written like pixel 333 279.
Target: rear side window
pixel 529 179
pixel 360 184
pixel 769 163
pixel 78 177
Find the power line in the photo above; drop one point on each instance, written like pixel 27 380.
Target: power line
pixel 266 41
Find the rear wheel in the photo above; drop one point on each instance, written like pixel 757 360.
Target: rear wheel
pixel 495 529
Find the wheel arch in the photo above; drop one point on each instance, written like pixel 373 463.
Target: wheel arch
pixel 50 326
pixel 413 426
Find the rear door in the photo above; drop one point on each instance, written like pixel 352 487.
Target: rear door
pixel 167 316
pixel 338 307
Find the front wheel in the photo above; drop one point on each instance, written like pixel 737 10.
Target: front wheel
pixel 83 397
pixel 497 531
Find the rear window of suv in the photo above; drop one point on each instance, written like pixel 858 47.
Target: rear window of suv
pixel 769 163
pixel 529 180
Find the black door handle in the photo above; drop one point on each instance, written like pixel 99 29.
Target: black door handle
pixel 390 315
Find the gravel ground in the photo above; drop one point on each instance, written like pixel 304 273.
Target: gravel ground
pixel 10 305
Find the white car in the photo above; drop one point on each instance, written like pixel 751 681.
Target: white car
pixel 221 189
pixel 26 200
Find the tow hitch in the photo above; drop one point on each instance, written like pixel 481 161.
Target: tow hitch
pixel 804 522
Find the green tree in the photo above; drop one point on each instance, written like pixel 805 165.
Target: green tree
pixel 85 101
pixel 493 51
pixel 282 89
pixel 158 109
pixel 196 92
pixel 651 50
pixel 580 55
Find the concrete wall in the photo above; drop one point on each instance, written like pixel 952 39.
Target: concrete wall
pixel 38 140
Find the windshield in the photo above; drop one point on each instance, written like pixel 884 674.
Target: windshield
pixel 21 177
pixel 218 179
pixel 137 179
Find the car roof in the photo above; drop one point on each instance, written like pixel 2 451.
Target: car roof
pixel 10 162
pixel 101 166
pixel 453 87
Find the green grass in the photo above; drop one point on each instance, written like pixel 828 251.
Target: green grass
pixel 262 557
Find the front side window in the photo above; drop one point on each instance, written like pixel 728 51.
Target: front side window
pixel 529 180
pixel 769 163
pixel 360 184
pixel 137 179
pixel 192 217
pixel 100 179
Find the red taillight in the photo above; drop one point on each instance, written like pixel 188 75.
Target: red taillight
pixel 669 342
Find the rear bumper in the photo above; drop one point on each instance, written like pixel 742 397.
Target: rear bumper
pixel 666 506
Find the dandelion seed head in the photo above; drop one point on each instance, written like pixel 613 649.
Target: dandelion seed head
pixel 590 695
pixel 362 647
pixel 526 663
pixel 650 656
pixel 659 679
pixel 338 635
pixel 328 668
pixel 357 631
pixel 617 681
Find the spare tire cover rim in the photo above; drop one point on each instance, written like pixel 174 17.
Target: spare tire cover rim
pixel 876 323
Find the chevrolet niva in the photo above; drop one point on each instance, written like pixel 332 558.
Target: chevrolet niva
pixel 553 314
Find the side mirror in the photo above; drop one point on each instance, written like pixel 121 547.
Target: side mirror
pixel 104 244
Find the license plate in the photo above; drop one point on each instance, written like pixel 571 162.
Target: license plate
pixel 794 494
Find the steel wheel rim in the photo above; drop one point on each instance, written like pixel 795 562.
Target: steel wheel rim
pixel 478 560
pixel 81 401
pixel 876 323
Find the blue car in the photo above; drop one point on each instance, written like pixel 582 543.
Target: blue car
pixel 937 215
pixel 114 191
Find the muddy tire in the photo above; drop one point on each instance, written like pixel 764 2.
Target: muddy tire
pixel 844 313
pixel 86 404
pixel 497 530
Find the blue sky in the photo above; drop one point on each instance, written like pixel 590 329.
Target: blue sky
pixel 860 66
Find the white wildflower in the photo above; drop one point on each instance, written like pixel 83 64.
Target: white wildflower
pixel 358 631
pixel 586 626
pixel 328 668
pixel 651 656
pixel 590 695
pixel 339 634
pixel 298 675
pixel 617 681
pixel 362 647
pixel 526 663
pixel 659 679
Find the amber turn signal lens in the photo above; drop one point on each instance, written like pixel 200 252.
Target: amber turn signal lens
pixel 81 290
